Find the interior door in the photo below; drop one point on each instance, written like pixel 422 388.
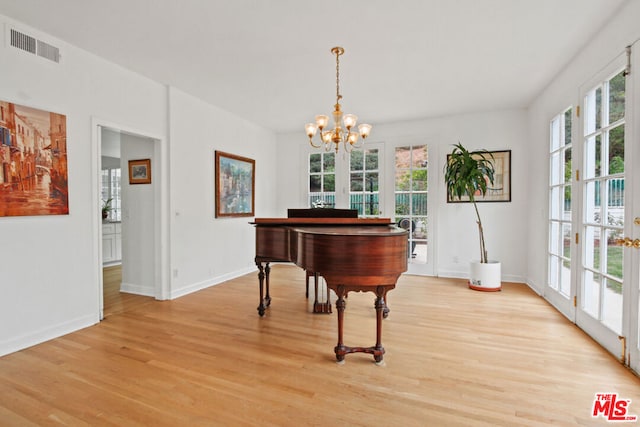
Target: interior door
pixel 605 285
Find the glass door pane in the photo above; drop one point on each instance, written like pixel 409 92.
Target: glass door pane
pixel 322 180
pixel 560 214
pixel 411 194
pixel 364 181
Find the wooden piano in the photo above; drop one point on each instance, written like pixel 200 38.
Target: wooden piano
pixel 352 254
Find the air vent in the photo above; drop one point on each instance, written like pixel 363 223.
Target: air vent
pixel 49 52
pixel 23 41
pixel 32 45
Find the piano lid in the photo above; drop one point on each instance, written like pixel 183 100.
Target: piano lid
pixel 322 221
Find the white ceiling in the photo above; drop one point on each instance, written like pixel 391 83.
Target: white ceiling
pixel 270 62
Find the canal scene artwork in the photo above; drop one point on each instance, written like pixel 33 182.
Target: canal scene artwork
pixel 235 182
pixel 33 161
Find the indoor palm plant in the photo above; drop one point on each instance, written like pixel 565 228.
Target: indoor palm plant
pixel 470 174
pixel 106 207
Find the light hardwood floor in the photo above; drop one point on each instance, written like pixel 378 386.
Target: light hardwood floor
pixel 455 357
pixel 115 301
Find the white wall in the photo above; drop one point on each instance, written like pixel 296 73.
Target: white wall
pixel 562 93
pixel 204 249
pixel 455 227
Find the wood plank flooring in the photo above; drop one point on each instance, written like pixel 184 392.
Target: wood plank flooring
pixel 455 357
pixel 115 301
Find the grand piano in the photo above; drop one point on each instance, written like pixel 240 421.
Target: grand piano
pixel 352 254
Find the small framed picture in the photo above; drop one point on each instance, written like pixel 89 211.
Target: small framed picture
pixel 140 171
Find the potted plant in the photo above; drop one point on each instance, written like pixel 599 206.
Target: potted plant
pixel 470 173
pixel 106 207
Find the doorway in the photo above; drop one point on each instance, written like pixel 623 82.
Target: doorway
pixel 132 250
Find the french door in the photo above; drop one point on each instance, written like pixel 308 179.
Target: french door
pixel 601 284
pixel 594 211
pixel 410 204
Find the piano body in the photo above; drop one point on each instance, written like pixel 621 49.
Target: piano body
pixel 352 254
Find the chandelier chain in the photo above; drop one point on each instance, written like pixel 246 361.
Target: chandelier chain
pixel 338 96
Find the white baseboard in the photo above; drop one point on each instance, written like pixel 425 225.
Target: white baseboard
pixel 465 275
pixel 49 333
pixel 185 290
pixel 131 288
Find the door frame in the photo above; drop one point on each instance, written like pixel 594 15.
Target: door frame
pixel 631 321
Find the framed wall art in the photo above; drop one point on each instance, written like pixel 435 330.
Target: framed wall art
pixel 33 161
pixel 500 191
pixel 140 171
pixel 235 185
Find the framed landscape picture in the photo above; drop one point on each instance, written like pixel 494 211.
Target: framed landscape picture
pixel 235 185
pixel 500 191
pixel 140 171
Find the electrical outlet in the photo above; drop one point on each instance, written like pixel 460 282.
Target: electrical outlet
pixel 455 259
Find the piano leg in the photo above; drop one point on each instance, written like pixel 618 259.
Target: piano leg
pixel 341 350
pixel 321 307
pixel 267 297
pixel 315 290
pixel 263 276
pixel 385 310
pixel 378 350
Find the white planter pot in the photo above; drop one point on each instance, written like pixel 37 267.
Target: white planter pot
pixel 485 276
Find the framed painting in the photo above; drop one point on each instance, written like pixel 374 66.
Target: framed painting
pixel 33 161
pixel 500 191
pixel 140 171
pixel 235 185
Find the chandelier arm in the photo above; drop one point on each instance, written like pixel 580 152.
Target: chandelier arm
pixel 348 148
pixel 312 144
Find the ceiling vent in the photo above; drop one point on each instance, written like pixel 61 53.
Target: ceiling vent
pixel 32 45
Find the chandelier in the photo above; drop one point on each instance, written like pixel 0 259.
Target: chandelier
pixel 338 134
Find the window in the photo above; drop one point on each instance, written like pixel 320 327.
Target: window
pixel 364 181
pixel 322 180
pixel 111 190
